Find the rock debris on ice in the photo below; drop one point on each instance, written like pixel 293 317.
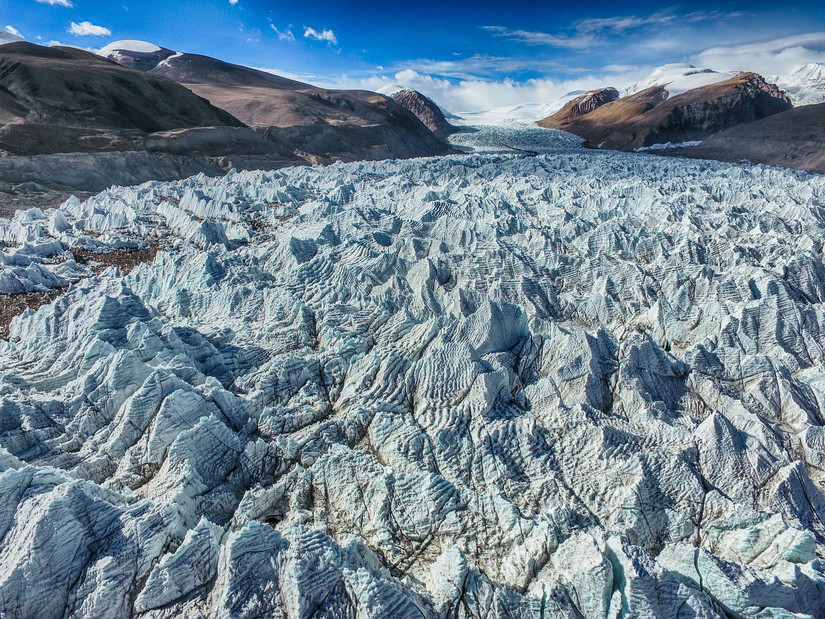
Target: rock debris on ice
pixel 578 384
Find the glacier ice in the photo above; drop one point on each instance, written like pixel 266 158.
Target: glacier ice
pixel 577 384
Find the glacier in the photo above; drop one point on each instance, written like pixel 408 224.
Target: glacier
pixel 575 384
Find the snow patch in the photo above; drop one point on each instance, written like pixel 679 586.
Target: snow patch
pixel 129 46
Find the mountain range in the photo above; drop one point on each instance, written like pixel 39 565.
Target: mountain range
pixel 76 122
pixel 700 113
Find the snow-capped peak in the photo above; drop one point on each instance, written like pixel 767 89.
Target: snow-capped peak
pixel 128 46
pixel 805 84
pixel 678 77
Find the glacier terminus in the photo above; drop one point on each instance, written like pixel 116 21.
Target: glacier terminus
pixel 575 384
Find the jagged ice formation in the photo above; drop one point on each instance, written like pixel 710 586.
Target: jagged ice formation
pixel 583 384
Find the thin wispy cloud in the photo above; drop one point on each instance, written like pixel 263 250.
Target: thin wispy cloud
pixel 323 35
pixel 531 37
pixel 85 29
pixel 599 31
pixel 283 35
pixel 478 65
pixel 63 3
pixel 14 31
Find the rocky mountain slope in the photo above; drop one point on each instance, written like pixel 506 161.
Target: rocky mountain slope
pixel 583 384
pixel 792 139
pixel 326 124
pixel 426 110
pixel 46 89
pixel 653 117
pixel 64 112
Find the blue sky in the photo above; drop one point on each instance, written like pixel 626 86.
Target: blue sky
pixel 463 52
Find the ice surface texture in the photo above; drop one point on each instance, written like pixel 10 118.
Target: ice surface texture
pixel 587 384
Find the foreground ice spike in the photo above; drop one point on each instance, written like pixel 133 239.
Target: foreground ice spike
pixel 578 384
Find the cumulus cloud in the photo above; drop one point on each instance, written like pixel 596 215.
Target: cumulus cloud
pixel 14 31
pixel 233 2
pixel 284 35
pixel 476 94
pixel 85 28
pixel 323 35
pixel 64 3
pixel 770 58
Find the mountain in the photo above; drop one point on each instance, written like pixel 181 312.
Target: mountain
pixel 805 84
pixel 792 139
pixel 325 124
pixel 585 103
pixel 653 117
pixel 135 54
pixel 677 78
pixel 67 87
pixel 579 386
pixel 426 110
pixel 75 122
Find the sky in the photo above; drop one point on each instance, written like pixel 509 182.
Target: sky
pixel 466 54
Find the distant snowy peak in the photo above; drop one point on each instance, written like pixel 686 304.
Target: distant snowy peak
pixel 520 113
pixel 678 78
pixel 136 54
pixel 805 85
pixel 129 47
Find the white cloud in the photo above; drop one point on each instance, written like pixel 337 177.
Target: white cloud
pixel 233 2
pixel 85 28
pixel 14 31
pixel 531 37
pixel 324 35
pixel 475 94
pixel 64 3
pixel 284 35
pixel 769 58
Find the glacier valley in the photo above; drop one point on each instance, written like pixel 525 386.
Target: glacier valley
pixel 577 384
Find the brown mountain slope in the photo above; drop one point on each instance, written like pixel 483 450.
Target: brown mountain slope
pixel 319 125
pixel 199 69
pixel 75 88
pixel 793 139
pixel 62 109
pixel 326 124
pixel 650 117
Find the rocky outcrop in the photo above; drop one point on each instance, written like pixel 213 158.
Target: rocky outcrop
pixel 426 110
pixel 586 103
pixel 651 117
pixel 588 384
